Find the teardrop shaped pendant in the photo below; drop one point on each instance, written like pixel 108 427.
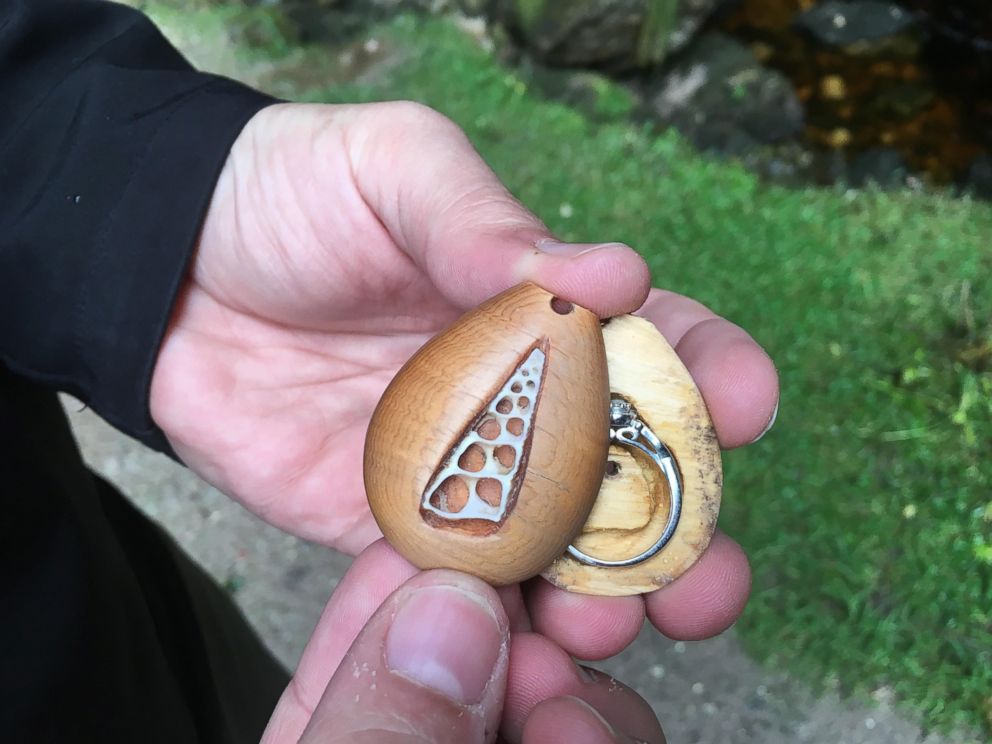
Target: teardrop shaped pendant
pixel 488 451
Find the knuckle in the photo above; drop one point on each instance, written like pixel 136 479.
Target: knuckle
pixel 420 117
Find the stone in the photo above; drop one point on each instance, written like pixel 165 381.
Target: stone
pixel 833 88
pixel 839 138
pixel 610 34
pixel 597 96
pixel 264 28
pixel 881 166
pixel 902 100
pixel 979 178
pixel 324 22
pixel 862 27
pixel 721 98
pixel 474 7
pixel 338 21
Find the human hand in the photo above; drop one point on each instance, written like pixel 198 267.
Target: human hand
pixel 403 656
pixel 339 239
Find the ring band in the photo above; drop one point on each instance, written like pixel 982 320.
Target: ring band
pixel 627 430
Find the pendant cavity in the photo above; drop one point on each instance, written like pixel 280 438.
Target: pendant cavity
pixel 658 505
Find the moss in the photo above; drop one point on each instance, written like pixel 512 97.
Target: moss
pixel 659 22
pixel 529 13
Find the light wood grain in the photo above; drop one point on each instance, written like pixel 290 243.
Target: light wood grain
pixel 626 504
pixel 632 508
pixel 427 409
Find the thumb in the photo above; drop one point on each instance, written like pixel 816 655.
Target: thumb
pixel 429 666
pixel 450 213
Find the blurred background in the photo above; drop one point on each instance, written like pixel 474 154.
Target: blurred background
pixel 817 172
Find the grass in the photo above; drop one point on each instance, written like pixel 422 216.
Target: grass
pixel 867 512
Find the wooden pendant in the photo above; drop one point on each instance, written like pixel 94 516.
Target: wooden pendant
pixel 488 448
pixel 634 503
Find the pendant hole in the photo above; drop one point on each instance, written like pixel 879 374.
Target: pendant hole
pixel 612 469
pixel 560 306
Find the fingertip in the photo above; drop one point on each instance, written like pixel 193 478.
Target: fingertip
pixel 468 584
pixel 673 314
pixel 381 560
pixel 708 598
pixel 438 616
pixel 375 574
pixel 586 626
pixel 608 279
pixel 736 377
pixel 567 720
pixel 408 667
pixel 513 602
pixel 539 669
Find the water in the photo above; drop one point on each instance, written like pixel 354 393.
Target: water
pixel 932 104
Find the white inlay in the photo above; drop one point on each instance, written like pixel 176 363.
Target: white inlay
pixel 518 397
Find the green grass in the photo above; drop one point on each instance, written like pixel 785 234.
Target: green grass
pixel 867 513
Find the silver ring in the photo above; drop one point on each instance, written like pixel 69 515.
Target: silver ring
pixel 626 429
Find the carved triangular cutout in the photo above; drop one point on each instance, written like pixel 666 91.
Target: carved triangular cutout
pixel 481 475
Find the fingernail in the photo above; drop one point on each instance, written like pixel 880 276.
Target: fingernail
pixel 769 425
pixel 445 639
pixel 587 674
pixel 607 727
pixel 572 250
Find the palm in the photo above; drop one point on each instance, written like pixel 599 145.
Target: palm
pixel 294 405
pixel 297 314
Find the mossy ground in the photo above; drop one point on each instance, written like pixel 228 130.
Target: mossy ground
pixel 867 512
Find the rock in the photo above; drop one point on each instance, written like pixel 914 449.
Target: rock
pixel 862 27
pixel 389 7
pixel 338 21
pixel 881 166
pixel 264 28
pixel 612 34
pixel 831 167
pixel 324 22
pixel 721 98
pixel 902 100
pixel 979 178
pixel 788 164
pixel 595 95
pixel 474 7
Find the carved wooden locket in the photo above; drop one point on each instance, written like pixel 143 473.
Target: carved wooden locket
pixel 529 438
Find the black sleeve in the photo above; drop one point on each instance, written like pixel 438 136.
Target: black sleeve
pixel 110 147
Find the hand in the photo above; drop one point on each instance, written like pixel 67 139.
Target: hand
pixel 401 656
pixel 339 239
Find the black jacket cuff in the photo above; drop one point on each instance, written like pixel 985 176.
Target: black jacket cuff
pixel 150 242
pixel 110 149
